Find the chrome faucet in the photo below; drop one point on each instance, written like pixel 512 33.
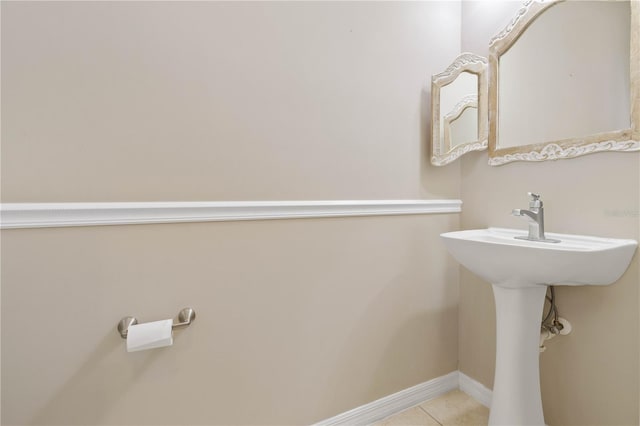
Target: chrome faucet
pixel 535 217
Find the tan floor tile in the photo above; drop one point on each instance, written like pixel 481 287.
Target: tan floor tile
pixel 456 408
pixel 478 416
pixel 411 417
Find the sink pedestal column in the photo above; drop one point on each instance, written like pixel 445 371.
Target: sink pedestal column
pixel 516 387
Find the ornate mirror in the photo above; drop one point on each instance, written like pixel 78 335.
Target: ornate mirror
pixel 564 81
pixel 459 120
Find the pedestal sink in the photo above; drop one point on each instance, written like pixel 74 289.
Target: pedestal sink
pixel 519 271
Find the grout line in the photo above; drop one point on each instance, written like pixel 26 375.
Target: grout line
pixel 429 414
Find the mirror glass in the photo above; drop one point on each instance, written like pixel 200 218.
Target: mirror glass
pixel 560 82
pixel 461 124
pixel 459 109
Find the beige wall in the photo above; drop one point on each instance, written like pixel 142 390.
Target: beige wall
pixel 589 377
pixel 138 101
pixel 298 320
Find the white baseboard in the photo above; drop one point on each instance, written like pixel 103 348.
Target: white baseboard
pixel 395 403
pixel 400 401
pixel 475 389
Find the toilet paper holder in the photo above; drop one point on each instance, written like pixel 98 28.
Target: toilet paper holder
pixel 185 317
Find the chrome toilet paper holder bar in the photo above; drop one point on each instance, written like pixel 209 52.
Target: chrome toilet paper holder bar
pixel 185 317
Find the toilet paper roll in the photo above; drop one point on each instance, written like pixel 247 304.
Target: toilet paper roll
pixel 149 335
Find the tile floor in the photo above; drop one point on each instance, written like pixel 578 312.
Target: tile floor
pixel 455 408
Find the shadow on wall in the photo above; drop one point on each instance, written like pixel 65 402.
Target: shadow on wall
pixel 428 172
pixel 425 137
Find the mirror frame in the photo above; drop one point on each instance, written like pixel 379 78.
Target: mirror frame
pixel 465 62
pixel 619 140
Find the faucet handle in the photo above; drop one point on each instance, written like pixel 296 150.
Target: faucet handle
pixel 535 201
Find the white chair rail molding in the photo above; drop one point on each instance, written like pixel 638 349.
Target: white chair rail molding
pixel 43 215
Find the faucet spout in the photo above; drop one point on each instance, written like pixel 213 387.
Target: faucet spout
pixel 531 215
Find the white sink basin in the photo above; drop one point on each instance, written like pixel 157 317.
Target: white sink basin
pixel 519 271
pixel 496 256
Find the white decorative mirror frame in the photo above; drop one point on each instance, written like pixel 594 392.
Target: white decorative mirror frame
pixel 618 140
pixel 443 151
